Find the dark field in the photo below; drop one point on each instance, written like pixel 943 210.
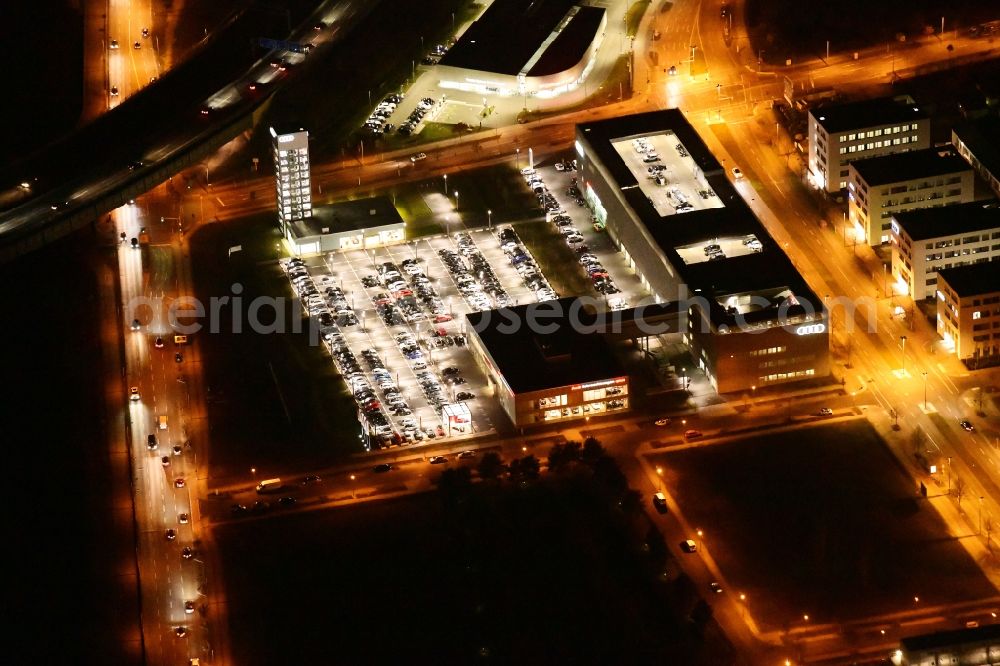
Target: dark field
pixel 274 400
pixel 527 575
pixel 70 593
pixel 820 521
pixel 793 28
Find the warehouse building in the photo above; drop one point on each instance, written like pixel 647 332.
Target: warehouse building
pixel 525 48
pixel 933 239
pixel 842 133
pixel 880 187
pixel 751 320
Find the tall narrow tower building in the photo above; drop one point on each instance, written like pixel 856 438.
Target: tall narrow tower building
pixel 291 172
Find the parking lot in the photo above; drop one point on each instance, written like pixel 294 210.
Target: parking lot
pixel 393 317
pixel 590 248
pixel 393 320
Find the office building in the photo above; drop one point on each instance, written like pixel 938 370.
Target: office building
pixel 881 187
pixel 525 48
pixel 291 175
pixel 968 312
pixel 747 315
pixel 933 239
pixel 978 141
pixel 842 133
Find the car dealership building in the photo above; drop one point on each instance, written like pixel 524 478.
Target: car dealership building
pixel 747 315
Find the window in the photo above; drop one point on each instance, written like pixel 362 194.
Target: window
pixel 977 314
pixel 913 139
pixel 878 132
pixel 852 136
pixel 905 139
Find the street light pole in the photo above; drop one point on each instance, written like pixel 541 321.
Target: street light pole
pixel 925 391
pixel 489 220
pixel 902 340
pixel 980 514
pixel 446 184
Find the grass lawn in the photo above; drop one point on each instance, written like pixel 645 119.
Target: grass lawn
pixel 275 399
pixel 634 16
pixel 160 268
pixel 820 521
pixel 496 188
pixel 543 573
pixel 554 257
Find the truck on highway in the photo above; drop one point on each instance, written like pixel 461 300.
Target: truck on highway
pixel 269 486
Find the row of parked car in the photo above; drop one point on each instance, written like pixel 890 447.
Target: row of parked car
pixel 467 284
pixel 525 265
pixel 645 149
pixel 481 268
pixel 553 209
pixel 377 121
pixel 329 307
pixel 424 106
pixel 369 406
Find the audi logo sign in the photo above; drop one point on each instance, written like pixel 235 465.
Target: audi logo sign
pixel 811 329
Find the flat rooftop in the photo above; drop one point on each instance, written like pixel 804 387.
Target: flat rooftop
pixel 507 35
pixel 973 279
pixel 911 165
pixel 571 45
pixel 717 249
pixel 924 223
pixel 867 113
pixel 681 238
pixel 531 360
pixel 673 182
pixel 982 137
pixel 345 216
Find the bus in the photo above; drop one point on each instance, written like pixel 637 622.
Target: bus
pixel 269 486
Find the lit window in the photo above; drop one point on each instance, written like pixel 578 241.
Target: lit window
pixel 977 315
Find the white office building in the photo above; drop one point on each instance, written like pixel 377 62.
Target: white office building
pixel 881 187
pixel 842 133
pixel 291 175
pixel 927 241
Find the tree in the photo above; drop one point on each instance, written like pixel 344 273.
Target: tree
pixel 592 451
pixel 526 468
pixel 959 489
pixel 563 455
pixel 631 502
pixel 455 481
pixel 490 466
pixel 606 471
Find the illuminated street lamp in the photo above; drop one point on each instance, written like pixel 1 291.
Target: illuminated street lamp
pixel 446 184
pixel 925 390
pixel 489 219
pixel 902 344
pixel 353 493
pixel 456 199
